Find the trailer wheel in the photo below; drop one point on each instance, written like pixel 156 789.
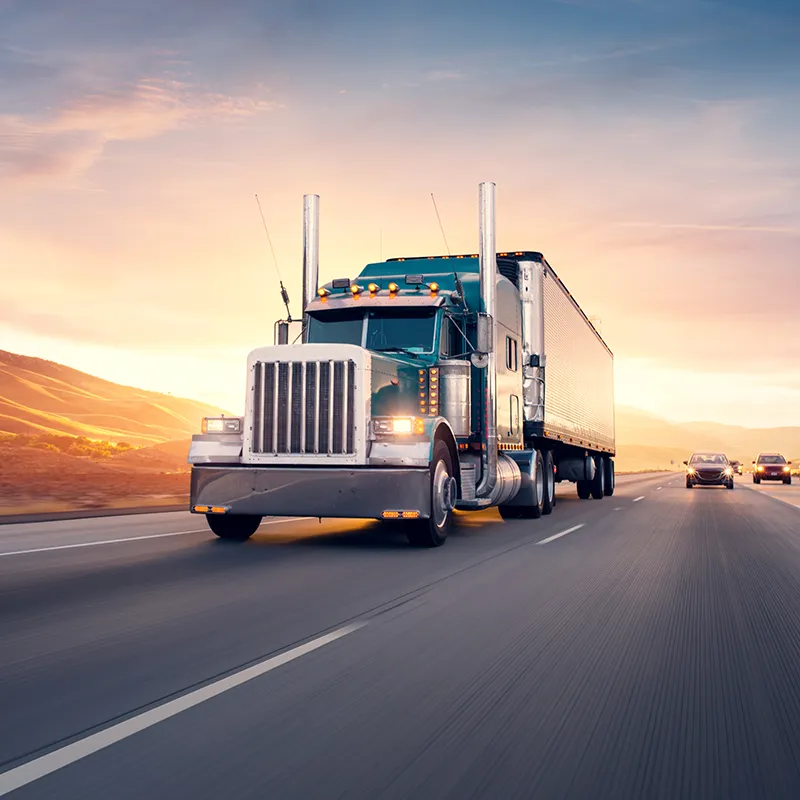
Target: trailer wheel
pixel 584 489
pixel 433 532
pixel 236 527
pixel 608 466
pixel 549 484
pixel 598 484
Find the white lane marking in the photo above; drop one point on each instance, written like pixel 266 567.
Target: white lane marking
pixel 127 539
pixel 659 488
pixel 618 508
pixel 563 533
pixel 637 499
pixel 46 764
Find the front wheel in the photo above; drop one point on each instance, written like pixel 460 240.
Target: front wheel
pixel 234 527
pixel 788 481
pixel 730 484
pixel 689 484
pixel 756 480
pixel 432 532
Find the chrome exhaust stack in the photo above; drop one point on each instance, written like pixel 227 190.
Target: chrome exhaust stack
pixel 310 250
pixel 487 255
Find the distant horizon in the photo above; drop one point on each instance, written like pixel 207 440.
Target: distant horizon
pixel 627 407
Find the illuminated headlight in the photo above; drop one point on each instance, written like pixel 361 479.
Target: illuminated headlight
pixel 759 468
pixel 786 469
pixel 690 470
pixel 728 470
pixel 399 425
pixel 222 425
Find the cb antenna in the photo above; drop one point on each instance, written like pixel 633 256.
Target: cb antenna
pixel 459 287
pixel 441 227
pixel 284 293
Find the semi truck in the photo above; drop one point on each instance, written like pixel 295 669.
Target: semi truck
pixel 420 386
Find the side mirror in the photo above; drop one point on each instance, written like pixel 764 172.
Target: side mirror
pixel 686 463
pixel 485 333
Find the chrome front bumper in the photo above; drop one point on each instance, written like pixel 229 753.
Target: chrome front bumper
pixel 363 493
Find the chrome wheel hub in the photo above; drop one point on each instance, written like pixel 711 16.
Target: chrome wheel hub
pixel 443 498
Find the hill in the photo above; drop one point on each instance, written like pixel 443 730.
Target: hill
pixel 42 397
pixel 645 441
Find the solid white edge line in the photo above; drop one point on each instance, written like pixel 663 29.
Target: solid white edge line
pixel 563 533
pixel 44 765
pixel 637 499
pixel 129 539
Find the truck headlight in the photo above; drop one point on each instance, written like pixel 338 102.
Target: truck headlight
pixel 222 425
pixel 399 425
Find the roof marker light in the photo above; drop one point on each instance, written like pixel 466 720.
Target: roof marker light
pixel 373 287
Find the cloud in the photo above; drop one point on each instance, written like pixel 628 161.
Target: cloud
pixel 443 75
pixel 70 140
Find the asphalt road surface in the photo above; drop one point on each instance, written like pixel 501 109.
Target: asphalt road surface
pixel 652 650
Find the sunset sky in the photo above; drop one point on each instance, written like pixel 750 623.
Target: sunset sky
pixel 649 148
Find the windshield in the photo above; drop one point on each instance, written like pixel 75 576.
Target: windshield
pixel 336 327
pixel 408 329
pixel 708 458
pixel 771 460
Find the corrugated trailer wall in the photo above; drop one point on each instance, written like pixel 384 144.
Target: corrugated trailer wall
pixel 579 372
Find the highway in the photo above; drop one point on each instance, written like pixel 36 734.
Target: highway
pixel 642 646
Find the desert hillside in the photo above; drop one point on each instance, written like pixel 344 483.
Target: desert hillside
pixel 645 441
pixel 42 397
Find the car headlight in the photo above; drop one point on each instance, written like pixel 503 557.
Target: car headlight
pixel 786 469
pixel 399 425
pixel 690 470
pixel 728 471
pixel 759 468
pixel 222 425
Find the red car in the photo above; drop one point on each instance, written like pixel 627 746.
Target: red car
pixel 772 467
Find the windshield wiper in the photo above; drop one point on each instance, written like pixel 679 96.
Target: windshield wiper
pixel 395 350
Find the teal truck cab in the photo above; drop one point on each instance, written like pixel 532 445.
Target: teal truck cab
pixel 421 386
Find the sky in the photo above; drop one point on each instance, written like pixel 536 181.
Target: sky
pixel 647 147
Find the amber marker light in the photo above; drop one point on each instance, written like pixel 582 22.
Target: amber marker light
pixel 393 287
pixel 373 287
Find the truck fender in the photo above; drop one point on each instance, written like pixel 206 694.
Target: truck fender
pixel 444 432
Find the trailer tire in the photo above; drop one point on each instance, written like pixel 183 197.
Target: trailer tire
pixel 608 466
pixel 584 489
pixel 432 532
pixel 233 527
pixel 598 484
pixel 549 483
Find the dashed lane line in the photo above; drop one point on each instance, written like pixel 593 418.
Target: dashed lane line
pixel 563 533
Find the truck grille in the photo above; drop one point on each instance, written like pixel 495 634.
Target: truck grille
pixel 304 407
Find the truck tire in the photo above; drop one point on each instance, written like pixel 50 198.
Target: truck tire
pixel 234 527
pixel 608 466
pixel 598 484
pixel 433 532
pixel 535 511
pixel 584 489
pixel 549 483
